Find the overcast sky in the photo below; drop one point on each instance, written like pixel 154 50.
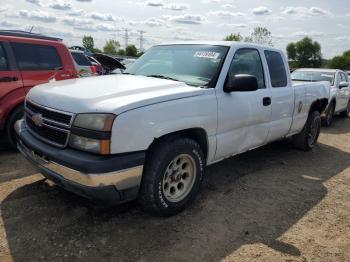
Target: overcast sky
pixel 326 21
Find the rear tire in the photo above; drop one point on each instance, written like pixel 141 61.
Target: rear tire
pixel 328 119
pixel 172 176
pixel 346 113
pixel 10 132
pixel 307 138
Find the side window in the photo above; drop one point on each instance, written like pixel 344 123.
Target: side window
pixel 3 59
pixel 277 69
pixel 36 57
pixel 344 78
pixel 248 61
pixel 339 79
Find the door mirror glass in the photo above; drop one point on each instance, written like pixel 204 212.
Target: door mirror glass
pixel 343 84
pixel 241 83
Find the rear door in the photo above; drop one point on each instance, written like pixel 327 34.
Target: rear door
pixel 282 95
pixel 344 92
pixel 243 117
pixel 37 63
pixel 11 86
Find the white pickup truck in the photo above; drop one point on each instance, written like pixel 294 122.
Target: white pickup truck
pixel 149 133
pixel 339 98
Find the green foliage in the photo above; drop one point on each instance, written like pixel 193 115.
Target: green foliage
pixel 131 50
pixel 88 42
pixel 140 53
pixel 260 35
pixel 234 37
pixel 97 50
pixel 305 53
pixel 121 52
pixel 111 47
pixel 340 62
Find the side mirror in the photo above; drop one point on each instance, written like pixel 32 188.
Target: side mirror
pixel 343 84
pixel 241 83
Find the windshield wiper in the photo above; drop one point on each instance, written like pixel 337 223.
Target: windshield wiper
pixel 126 73
pixel 164 77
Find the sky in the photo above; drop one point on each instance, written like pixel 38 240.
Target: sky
pixel 326 21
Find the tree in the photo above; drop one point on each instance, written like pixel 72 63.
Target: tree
pixel 340 62
pixel 305 53
pixel 234 37
pixel 111 47
pixel 121 52
pixel 131 50
pixel 260 35
pixel 140 53
pixel 88 42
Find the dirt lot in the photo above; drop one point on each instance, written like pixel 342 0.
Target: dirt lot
pixel 270 204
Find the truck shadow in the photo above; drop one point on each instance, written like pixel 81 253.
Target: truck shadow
pixel 340 125
pixel 253 198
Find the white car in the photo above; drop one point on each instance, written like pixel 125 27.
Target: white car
pixel 83 65
pixel 339 99
pixel 149 133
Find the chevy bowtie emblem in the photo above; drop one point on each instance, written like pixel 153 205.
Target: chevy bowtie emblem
pixel 38 120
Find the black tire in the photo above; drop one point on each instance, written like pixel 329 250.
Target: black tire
pixel 307 138
pixel 328 119
pixel 10 132
pixel 346 113
pixel 151 194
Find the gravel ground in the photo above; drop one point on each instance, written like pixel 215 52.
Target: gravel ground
pixel 271 204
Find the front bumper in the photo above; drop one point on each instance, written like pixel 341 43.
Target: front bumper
pixel 110 179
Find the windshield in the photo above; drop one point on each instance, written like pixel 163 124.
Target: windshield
pixel 195 65
pixel 313 76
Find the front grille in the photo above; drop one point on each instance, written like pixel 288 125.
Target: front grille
pixel 49 114
pixel 55 125
pixel 51 135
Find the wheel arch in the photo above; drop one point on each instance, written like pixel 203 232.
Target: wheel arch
pixel 197 134
pixel 320 105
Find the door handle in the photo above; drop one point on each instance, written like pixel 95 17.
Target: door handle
pixel 267 101
pixel 8 79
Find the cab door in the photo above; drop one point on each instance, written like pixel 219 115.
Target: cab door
pixel 243 117
pixel 11 86
pixel 37 63
pixel 282 95
pixel 343 93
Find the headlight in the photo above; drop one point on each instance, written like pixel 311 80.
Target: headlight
pixel 92 133
pixel 97 122
pixel 90 145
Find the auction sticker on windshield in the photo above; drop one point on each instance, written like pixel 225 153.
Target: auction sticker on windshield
pixel 207 54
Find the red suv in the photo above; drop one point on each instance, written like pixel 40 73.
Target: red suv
pixel 27 60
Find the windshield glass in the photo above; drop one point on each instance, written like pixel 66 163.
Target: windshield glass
pixel 313 76
pixel 195 65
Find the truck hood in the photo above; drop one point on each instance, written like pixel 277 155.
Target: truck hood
pixel 110 94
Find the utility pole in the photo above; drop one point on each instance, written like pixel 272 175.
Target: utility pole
pixel 126 37
pixel 141 39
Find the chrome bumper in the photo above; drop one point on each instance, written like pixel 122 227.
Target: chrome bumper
pixel 121 179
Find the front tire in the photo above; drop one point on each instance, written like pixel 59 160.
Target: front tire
pixel 172 176
pixel 328 120
pixel 10 132
pixel 346 113
pixel 307 138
